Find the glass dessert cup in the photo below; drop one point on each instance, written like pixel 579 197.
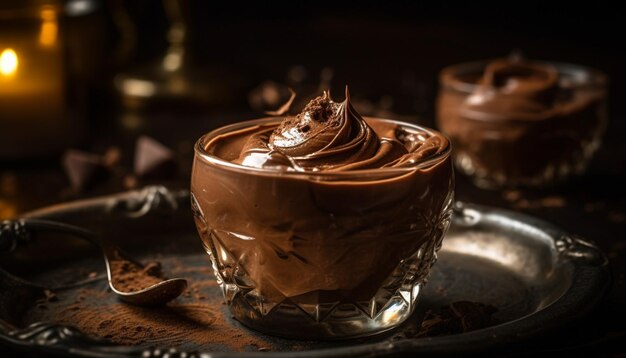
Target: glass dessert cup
pixel 320 255
pixel 502 151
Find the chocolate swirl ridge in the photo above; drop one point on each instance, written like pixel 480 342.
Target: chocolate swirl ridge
pixel 326 136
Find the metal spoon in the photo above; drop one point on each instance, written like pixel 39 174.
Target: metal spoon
pixel 156 294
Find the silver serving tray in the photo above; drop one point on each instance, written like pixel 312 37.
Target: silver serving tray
pixel 537 275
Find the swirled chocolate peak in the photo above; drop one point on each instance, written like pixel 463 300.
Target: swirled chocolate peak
pixel 332 136
pixel 514 89
pixel 329 135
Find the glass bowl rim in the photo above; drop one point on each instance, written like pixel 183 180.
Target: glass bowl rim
pixel 448 75
pixel 201 153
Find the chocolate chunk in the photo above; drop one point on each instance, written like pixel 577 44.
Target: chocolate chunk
pixel 112 157
pixel 83 169
pixel 458 317
pixel 153 159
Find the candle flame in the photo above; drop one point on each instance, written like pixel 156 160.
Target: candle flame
pixel 8 62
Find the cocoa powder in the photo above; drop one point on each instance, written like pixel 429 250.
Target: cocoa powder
pixel 127 276
pixel 196 319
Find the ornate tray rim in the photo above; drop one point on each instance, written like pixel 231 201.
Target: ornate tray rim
pixel 590 280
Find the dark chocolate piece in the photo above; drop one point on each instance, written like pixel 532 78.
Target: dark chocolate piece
pixel 457 317
pixel 154 160
pixel 83 169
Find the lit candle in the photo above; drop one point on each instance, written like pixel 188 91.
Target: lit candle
pixel 33 118
pixel 8 62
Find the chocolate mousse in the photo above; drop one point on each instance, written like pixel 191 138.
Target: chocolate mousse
pixel 520 122
pixel 330 136
pixel 342 229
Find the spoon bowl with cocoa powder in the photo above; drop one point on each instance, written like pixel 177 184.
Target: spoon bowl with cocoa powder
pixel 133 282
pixel 142 285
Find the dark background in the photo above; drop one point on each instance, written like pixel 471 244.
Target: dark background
pixel 383 51
pixel 375 46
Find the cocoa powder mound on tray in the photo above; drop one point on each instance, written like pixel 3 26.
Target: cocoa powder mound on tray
pixel 196 319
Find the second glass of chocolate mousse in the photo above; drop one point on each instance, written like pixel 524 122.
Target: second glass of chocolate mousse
pixel 322 225
pixel 515 122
